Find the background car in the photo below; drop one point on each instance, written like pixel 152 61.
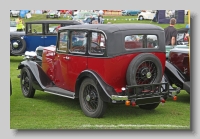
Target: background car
pixel 37 33
pixel 14 13
pixel 13 26
pixel 53 14
pixel 82 15
pixel 147 15
pixel 87 20
pixel 130 12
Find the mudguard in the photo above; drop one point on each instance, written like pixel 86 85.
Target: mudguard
pixel 174 75
pixel 40 76
pixel 105 90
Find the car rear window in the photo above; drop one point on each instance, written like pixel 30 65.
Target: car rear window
pixel 141 41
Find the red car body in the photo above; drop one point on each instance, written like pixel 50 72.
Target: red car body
pixel 98 65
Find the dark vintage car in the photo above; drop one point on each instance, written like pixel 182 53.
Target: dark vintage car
pixel 38 33
pixel 97 65
pixel 177 70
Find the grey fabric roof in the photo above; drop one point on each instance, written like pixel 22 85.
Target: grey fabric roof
pixel 115 27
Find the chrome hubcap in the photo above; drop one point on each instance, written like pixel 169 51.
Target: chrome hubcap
pixel 15 44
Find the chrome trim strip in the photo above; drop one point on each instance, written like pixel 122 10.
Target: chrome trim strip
pixel 60 95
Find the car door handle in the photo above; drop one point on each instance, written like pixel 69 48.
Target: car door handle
pixel 67 58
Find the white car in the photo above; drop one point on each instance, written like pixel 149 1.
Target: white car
pixel 14 13
pixel 13 26
pixel 148 15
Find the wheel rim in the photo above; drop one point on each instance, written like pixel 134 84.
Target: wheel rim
pixel 90 98
pixel 17 45
pixel 146 73
pixel 25 83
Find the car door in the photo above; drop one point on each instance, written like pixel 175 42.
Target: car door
pixel 50 36
pixel 77 57
pixel 34 36
pixel 70 59
pixel 60 62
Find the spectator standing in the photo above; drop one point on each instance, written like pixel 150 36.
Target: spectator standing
pixel 100 19
pixel 171 33
pixel 20 24
pixel 92 18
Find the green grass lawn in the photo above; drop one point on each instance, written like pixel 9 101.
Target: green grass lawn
pixel 46 111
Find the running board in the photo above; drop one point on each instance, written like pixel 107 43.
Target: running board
pixel 60 92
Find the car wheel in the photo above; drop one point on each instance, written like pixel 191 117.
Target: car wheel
pixel 26 83
pixel 141 18
pixel 90 101
pixel 144 69
pixel 18 45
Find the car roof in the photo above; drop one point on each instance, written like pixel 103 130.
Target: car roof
pixel 110 28
pixel 55 21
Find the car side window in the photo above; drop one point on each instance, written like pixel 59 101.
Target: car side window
pixel 97 43
pixel 63 42
pixel 52 29
pixel 141 41
pixel 36 29
pixel 78 42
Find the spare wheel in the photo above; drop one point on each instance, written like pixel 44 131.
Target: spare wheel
pixel 145 68
pixel 18 45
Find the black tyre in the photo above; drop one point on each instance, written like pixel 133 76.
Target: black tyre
pixel 144 69
pixel 18 45
pixel 90 101
pixel 26 83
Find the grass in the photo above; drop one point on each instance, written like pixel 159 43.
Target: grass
pixel 46 111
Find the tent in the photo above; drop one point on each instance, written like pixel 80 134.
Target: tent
pixel 164 16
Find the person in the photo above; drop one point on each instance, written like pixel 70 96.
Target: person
pixel 92 18
pixel 187 35
pixel 20 24
pixel 99 19
pixel 171 33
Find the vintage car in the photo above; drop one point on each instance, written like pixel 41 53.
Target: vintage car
pixel 177 69
pixel 98 72
pixel 37 33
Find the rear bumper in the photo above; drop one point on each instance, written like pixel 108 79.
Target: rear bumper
pixel 143 94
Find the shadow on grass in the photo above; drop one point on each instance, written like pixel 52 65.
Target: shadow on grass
pixel 58 100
